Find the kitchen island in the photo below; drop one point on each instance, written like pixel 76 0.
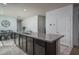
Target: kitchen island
pixel 38 43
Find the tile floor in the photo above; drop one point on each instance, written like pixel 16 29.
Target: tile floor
pixel 65 50
pixel 9 48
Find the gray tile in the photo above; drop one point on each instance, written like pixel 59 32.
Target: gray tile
pixel 65 50
pixel 9 48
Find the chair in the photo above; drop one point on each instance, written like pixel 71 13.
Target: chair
pixel 4 34
pixel 9 33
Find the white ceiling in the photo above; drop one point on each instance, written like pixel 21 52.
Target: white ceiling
pixel 17 9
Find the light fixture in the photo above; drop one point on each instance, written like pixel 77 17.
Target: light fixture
pixel 4 3
pixel 25 9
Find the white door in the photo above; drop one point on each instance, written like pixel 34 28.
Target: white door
pixel 69 31
pixel 61 28
pixel 50 23
pixel 64 28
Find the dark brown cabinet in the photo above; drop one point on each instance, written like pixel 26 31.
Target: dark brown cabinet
pixel 30 46
pixel 16 40
pixel 36 46
pixel 39 47
pixel 24 44
pixel 21 42
pixel 44 48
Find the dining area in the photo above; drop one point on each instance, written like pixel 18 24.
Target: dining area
pixel 7 45
pixel 5 34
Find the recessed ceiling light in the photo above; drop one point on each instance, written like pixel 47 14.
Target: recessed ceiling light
pixel 4 3
pixel 25 9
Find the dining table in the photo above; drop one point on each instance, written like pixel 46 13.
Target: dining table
pixel 4 36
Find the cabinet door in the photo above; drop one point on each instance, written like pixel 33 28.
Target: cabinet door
pixel 17 40
pixel 24 44
pixel 21 41
pixel 39 47
pixel 30 46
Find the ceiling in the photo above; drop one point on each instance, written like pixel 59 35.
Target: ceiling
pixel 17 9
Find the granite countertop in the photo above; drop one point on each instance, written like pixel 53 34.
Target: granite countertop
pixel 44 37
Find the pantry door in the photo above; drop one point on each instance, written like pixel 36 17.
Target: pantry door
pixel 64 28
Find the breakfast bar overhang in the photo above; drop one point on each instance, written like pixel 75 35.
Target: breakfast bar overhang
pixel 38 43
